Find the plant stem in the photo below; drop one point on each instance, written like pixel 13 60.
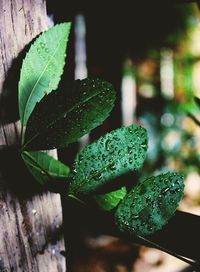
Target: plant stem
pixel 77 199
pixel 150 243
pixel 181 244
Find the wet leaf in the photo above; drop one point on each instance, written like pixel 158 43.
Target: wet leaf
pixel 64 116
pixel 114 154
pixel 150 204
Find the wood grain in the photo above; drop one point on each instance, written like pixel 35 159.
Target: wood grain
pixel 30 224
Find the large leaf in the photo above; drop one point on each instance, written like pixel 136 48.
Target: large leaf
pixel 149 206
pixel 42 68
pixel 112 155
pixel 64 116
pixel 44 167
pixel 110 200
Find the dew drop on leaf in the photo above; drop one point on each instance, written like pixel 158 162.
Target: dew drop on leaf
pixel 130 160
pixel 130 150
pixel 111 167
pixel 154 203
pixel 97 176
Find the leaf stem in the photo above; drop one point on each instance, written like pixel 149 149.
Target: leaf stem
pixel 77 199
pixel 190 262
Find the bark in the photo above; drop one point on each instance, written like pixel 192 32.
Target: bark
pixel 30 219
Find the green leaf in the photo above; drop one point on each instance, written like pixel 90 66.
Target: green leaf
pixel 42 68
pixel 44 167
pixel 114 154
pixel 64 116
pixel 110 200
pixel 150 204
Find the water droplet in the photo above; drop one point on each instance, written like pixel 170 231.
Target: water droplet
pixel 119 152
pixel 148 198
pixel 112 167
pixel 149 228
pixel 164 190
pixel 74 171
pixel 42 44
pixel 126 223
pixel 130 130
pixel 34 211
pixel 130 149
pixel 130 160
pixel 98 176
pixel 38 50
pixel 80 158
pixel 107 145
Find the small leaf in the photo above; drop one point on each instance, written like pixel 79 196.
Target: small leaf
pixel 110 200
pixel 114 154
pixel 64 116
pixel 44 167
pixel 150 204
pixel 42 68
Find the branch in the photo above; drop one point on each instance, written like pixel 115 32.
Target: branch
pixel 180 237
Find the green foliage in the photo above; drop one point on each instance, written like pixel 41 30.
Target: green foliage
pixel 64 116
pixel 44 167
pixel 42 68
pixel 110 200
pixel 149 206
pixel 114 154
pixel 56 119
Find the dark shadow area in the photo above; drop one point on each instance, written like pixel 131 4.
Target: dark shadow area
pixel 129 180
pixel 116 31
pixel 82 222
pixel 179 236
pixel 9 98
pixel 16 176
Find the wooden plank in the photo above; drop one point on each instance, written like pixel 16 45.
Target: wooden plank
pixel 30 224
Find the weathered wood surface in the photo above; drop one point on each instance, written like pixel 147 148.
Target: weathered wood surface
pixel 30 223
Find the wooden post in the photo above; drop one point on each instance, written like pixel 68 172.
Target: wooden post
pixel 30 224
